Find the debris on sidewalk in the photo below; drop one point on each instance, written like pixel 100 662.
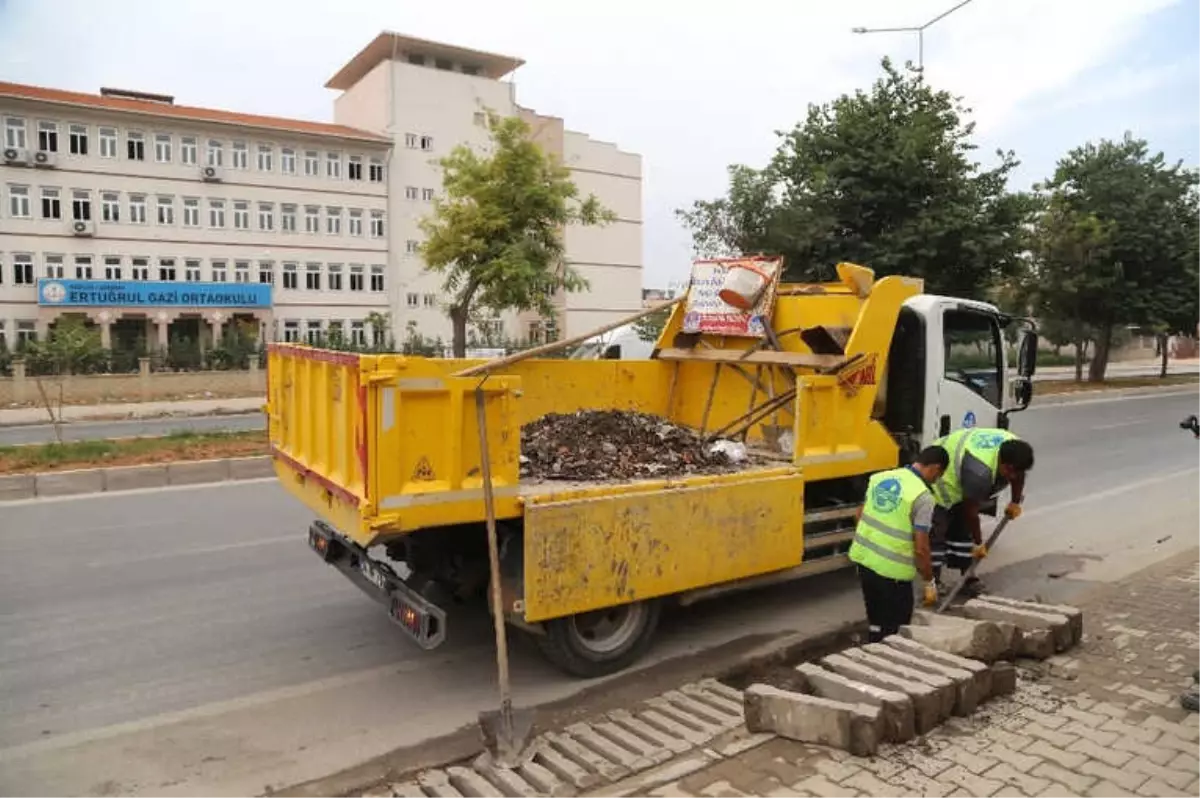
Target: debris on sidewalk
pixel 617 445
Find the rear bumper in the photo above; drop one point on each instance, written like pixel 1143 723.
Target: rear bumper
pixel 421 619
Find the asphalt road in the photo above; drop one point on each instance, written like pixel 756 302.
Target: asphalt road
pixel 148 427
pixel 185 641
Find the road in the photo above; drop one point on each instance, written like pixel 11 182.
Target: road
pixel 185 641
pixel 147 427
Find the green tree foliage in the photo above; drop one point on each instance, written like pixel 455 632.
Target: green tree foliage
pixel 496 236
pixel 1118 243
pixel 648 328
pixel 884 178
pixel 70 347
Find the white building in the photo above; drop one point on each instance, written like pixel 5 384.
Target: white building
pixel 429 97
pixel 155 219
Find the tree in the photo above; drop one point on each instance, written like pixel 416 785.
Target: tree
pixel 496 236
pixel 648 328
pixel 883 178
pixel 70 347
pixel 1147 211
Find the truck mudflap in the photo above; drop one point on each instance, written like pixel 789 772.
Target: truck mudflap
pixel 421 619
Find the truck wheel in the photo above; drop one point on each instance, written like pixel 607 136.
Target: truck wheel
pixel 593 644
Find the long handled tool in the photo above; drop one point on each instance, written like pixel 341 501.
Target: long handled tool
pixel 970 572
pixel 505 732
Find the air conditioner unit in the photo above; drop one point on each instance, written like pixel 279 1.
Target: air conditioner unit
pixel 210 174
pixel 45 160
pixel 15 156
pixel 83 228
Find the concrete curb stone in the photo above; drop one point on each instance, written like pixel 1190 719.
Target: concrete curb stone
pixel 134 477
pixel 18 486
pixel 116 479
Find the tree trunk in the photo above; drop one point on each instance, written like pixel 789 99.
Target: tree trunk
pixel 1162 346
pixel 458 325
pixel 1080 343
pixel 1099 364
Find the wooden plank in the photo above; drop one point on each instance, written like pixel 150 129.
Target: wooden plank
pixel 763 357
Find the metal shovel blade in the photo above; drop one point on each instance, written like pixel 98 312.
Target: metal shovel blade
pixel 507 733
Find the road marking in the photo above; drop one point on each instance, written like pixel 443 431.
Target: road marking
pixel 1092 496
pixel 166 555
pixel 1124 424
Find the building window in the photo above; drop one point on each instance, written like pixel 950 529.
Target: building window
pixel 219 274
pixel 215 154
pixel 427 194
pixel 110 206
pixel 240 156
pixel 355 222
pixel 411 140
pixel 358 333
pixel 18 202
pixel 333 221
pixel 77 141
pixel 354 168
pixel 83 267
pixel 375 171
pixel 376 224
pixel 312 219
pixel 54 267
pixel 241 271
pixel 26 333
pixel 412 246
pixel 137 208
pixel 287 218
pixel 81 206
pixel 312 332
pixel 287 161
pixel 166 270
pixel 416 58
pixel 333 165
pixel 427 143
pixel 162 148
pixel 108 142
pixel 291 332
pixel 241 215
pixel 335 277
pixel 480 119
pixel 356 276
pixel 312 276
pixel 266 272
pixel 444 64
pixel 135 146
pixel 312 163
pixel 377 279
pixel 266 216
pixel 191 212
pixel 48 136
pixel 216 214
pixel 166 210
pixel 191 271
pixel 22 269
pixel 14 133
pixel 289 276
pixel 429 300
pixel 188 150
pixel 266 156
pixel 141 269
pixel 414 300
pixel 112 268
pixel 411 192
pixel 51 205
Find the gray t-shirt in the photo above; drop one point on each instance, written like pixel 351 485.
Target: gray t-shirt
pixel 922 512
pixel 976 481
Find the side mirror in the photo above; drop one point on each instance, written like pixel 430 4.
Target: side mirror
pixel 1027 355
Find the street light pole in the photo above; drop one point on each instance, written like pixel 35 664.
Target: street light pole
pixel 917 29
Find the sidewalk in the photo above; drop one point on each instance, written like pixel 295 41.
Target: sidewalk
pixel 1103 720
pixel 192 407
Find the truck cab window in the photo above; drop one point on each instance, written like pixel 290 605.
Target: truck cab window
pixel 973 348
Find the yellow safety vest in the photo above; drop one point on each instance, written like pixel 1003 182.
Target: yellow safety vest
pixel 981 443
pixel 883 541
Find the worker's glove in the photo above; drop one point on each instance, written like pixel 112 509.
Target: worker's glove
pixel 1013 511
pixel 980 551
pixel 931 594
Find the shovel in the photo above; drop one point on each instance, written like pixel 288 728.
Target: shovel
pixel 506 731
pixel 970 572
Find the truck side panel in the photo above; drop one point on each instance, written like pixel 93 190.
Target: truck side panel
pixel 587 553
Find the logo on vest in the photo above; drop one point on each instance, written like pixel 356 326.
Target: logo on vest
pixel 886 495
pixel 988 440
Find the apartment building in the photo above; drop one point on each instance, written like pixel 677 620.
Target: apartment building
pixel 157 220
pixel 429 97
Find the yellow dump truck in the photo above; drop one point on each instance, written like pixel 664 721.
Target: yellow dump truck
pixel 850 377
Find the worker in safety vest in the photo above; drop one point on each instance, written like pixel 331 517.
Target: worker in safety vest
pixel 891 543
pixel 982 463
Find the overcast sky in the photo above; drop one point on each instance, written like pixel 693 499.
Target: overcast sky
pixel 691 86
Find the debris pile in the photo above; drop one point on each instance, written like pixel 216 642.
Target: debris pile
pixel 615 445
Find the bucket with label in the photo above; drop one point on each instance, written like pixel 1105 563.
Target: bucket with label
pixel 744 284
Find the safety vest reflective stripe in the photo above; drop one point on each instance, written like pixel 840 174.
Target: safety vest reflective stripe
pixel 886 554
pixel 900 534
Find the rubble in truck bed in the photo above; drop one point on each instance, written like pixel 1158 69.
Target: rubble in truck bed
pixel 614 445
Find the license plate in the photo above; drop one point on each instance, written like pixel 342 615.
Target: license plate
pixel 373 574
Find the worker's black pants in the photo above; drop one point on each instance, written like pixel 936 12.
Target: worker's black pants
pixel 950 541
pixel 889 603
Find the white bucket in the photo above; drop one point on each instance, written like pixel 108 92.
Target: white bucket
pixel 744 284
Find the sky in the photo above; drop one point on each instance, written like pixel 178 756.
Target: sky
pixel 692 87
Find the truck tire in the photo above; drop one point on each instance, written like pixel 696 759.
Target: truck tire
pixel 598 643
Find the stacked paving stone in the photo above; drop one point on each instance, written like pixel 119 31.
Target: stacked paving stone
pixel 940 666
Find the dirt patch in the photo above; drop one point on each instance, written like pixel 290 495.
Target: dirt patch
pixel 131 451
pixel 615 445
